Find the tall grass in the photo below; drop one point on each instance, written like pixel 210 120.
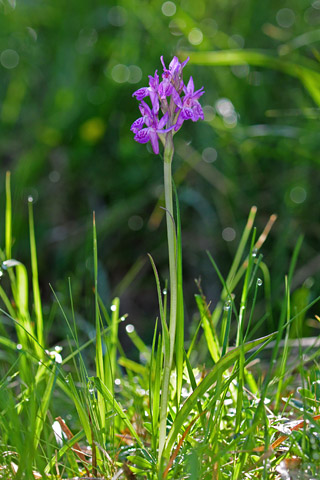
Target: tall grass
pixel 222 420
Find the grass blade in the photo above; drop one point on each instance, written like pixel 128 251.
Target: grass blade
pixel 111 342
pixel 8 221
pixel 35 279
pixel 179 345
pixel 308 75
pixel 223 364
pixel 105 392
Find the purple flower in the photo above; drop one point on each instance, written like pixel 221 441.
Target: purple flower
pixel 190 109
pixel 146 113
pixel 175 109
pixel 173 75
pixel 154 127
pixel 172 83
pixel 152 91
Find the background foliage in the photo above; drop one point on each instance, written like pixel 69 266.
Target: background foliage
pixel 68 70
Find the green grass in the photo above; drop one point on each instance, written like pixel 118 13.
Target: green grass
pixel 269 74
pixel 213 388
pixel 249 411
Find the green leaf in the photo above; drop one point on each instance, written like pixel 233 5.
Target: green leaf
pixel 308 75
pixel 210 334
pixel 139 461
pixel 44 405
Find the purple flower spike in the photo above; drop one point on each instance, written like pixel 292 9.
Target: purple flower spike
pixel 175 109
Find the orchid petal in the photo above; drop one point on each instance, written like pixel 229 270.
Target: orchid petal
pixel 198 93
pixel 176 98
pixel 141 93
pixel 187 113
pixel 137 125
pixel 185 62
pixel 174 65
pixel 163 121
pixel 179 122
pixel 155 102
pixel 154 80
pixel 190 86
pixel 154 141
pixel 143 136
pixel 145 109
pixel 165 130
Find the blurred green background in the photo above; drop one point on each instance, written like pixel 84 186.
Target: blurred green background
pixel 68 71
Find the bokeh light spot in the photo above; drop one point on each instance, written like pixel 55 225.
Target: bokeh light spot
pixel 176 27
pixel 209 113
pixel 92 130
pixel 33 34
pixel 224 106
pixel 117 16
pixel 209 26
pixel 135 74
pixel 240 71
pixel 236 41
pixel 135 223
pixel 9 58
pixel 209 154
pixel 195 36
pixel 168 9
pixel 86 40
pixel 226 109
pixel 120 73
pixel 54 176
pixel 228 234
pixel 298 194
pixel 129 328
pixel 231 120
pixel 285 17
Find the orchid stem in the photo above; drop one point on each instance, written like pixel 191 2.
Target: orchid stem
pixel 171 234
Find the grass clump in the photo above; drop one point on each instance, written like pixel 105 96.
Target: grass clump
pixel 251 411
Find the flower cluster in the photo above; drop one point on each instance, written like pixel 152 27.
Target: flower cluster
pixel 173 99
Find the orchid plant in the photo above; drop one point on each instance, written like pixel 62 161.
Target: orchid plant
pixel 172 102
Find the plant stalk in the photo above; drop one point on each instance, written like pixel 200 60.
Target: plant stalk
pixel 171 235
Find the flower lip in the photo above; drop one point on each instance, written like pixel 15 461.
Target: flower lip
pixel 141 93
pixel 137 125
pixel 143 136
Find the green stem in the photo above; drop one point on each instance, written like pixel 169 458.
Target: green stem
pixel 171 234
